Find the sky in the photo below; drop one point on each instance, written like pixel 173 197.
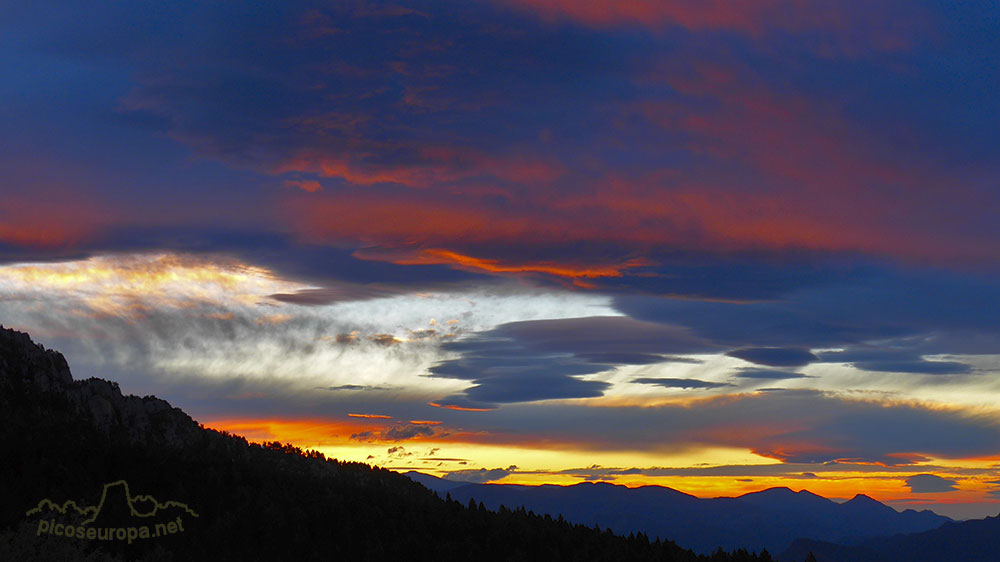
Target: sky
pixel 707 245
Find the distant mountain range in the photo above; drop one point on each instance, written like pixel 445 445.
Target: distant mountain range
pixel 967 541
pixel 770 519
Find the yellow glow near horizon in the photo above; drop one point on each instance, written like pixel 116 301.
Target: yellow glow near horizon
pixel 538 458
pixel 690 471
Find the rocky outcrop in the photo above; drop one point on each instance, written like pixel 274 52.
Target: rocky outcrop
pixel 22 361
pixel 28 368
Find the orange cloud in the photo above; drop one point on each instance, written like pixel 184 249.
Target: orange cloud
pixel 773 172
pixel 459 408
pixel 441 256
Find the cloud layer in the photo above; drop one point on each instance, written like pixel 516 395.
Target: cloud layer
pixel 634 228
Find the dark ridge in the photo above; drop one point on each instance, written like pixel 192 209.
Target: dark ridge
pixel 977 540
pixel 769 519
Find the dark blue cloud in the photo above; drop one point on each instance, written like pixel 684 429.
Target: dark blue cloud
pixel 898 357
pixel 745 276
pixel 479 476
pixel 889 305
pixel 887 323
pixel 541 359
pixel 505 371
pixel 774 356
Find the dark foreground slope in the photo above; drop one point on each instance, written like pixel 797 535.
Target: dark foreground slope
pixel 769 519
pixel 968 541
pixel 65 440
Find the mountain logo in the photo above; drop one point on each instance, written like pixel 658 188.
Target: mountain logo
pixel 118 515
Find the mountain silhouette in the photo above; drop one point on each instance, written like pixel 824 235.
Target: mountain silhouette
pixel 768 519
pixel 62 438
pixel 434 483
pixel 966 541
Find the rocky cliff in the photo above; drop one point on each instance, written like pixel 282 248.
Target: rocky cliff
pixel 27 369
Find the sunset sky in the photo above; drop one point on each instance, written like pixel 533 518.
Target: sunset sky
pixel 708 245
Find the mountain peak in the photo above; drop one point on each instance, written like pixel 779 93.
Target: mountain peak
pixel 434 483
pixel 781 492
pixel 864 503
pixel 783 498
pixel 777 491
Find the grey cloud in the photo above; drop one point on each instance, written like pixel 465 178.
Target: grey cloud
pixel 479 476
pixel 395 433
pixel 680 383
pixel 768 374
pixel 354 387
pixel 403 432
pixel 341 293
pixel 930 483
